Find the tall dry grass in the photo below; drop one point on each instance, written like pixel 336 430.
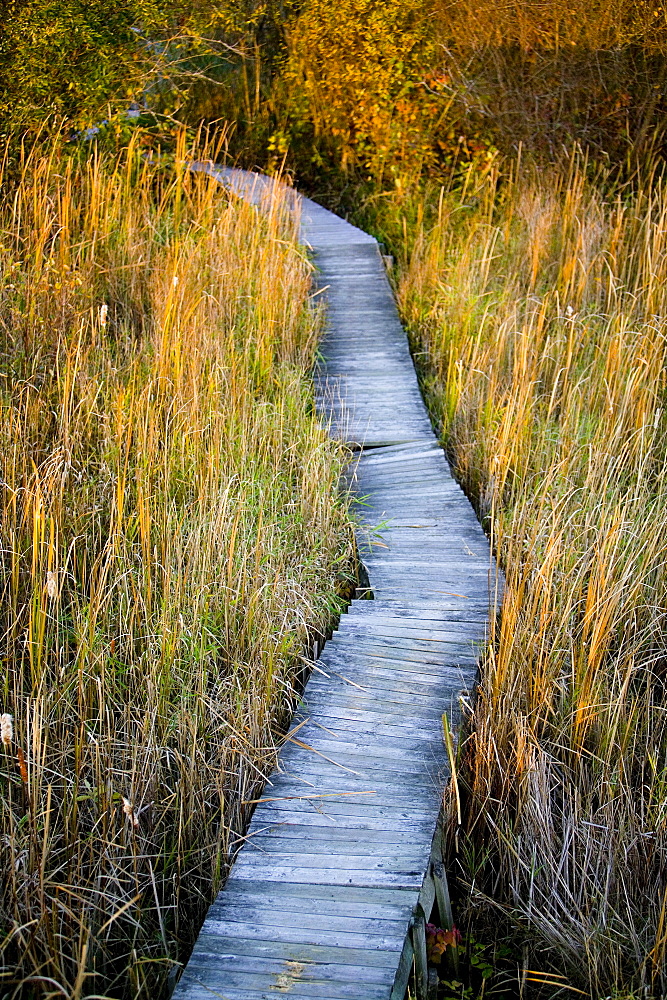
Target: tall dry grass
pixel 549 76
pixel 171 541
pixel 597 25
pixel 539 307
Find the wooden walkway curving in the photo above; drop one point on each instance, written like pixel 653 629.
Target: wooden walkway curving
pixel 329 895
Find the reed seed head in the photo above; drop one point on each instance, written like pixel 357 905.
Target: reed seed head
pixel 128 809
pixel 6 729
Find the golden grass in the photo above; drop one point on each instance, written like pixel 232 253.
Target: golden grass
pixel 532 24
pixel 540 309
pixel 171 542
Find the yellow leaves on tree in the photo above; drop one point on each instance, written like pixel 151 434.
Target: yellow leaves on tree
pixel 357 70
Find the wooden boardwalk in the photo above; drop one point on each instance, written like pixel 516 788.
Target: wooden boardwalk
pixel 329 895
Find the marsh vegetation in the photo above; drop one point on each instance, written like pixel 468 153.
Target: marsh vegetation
pixel 537 316
pixel 172 542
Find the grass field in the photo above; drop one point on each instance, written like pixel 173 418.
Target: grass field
pixel 172 542
pixel 537 307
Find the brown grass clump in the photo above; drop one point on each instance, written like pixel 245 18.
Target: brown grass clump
pixel 539 308
pixel 171 538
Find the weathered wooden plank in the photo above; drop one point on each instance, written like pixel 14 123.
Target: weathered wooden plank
pixel 394 727
pixel 386 539
pixel 457 656
pixel 345 813
pixel 211 948
pixel 398 685
pixel 444 634
pixel 320 973
pixel 345 664
pixel 406 580
pixel 352 667
pixel 352 821
pixel 350 772
pixel 335 833
pixel 397 595
pixel 400 546
pixel 325 854
pixel 422 478
pixel 199 991
pixel 355 800
pixel 418 616
pixel 328 782
pixel 398 878
pixel 344 806
pixel 337 740
pixel 343 728
pixel 407 809
pixel 464 552
pixel 259 916
pixel 403 459
pixel 349 697
pixel 380 703
pixel 323 709
pixel 460 536
pixel 244 986
pixel 343 399
pixel 401 630
pixel 355 739
pixel 392 683
pixel 378 896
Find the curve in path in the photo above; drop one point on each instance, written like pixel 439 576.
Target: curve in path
pixel 329 895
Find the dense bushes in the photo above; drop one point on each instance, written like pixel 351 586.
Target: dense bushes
pixel 72 62
pixel 389 92
pixel 358 91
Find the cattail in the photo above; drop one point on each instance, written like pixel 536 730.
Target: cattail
pixel 6 729
pixel 128 809
pixel 104 309
pixel 22 766
pixel 51 585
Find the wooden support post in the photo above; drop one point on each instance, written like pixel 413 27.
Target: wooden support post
pixel 404 969
pixel 442 894
pixel 439 875
pixel 421 962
